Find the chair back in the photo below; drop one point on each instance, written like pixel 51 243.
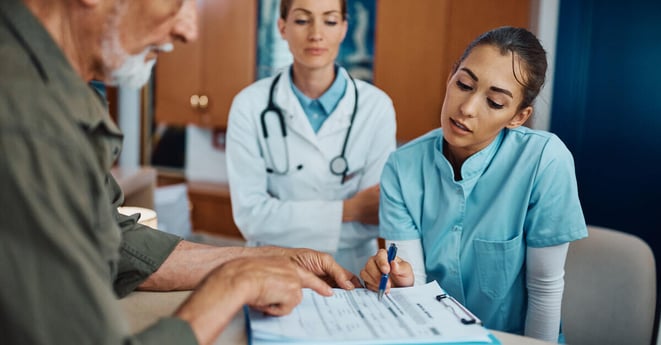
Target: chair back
pixel 610 290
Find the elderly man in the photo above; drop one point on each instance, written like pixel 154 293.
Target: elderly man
pixel 65 252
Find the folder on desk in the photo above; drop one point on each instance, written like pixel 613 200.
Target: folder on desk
pixel 423 314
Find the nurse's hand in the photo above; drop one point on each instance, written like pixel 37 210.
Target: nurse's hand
pixel 362 207
pixel 401 272
pixel 320 264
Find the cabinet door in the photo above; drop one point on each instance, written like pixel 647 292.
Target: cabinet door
pixel 410 60
pixel 417 43
pixel 177 78
pixel 230 59
pixel 212 209
pixel 196 83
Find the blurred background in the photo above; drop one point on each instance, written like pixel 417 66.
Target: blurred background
pixel 602 96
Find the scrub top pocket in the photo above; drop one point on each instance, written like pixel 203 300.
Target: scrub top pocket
pixel 498 264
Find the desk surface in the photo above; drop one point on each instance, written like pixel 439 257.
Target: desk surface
pixel 143 308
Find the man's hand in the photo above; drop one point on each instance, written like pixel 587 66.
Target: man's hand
pixel 362 207
pixel 191 262
pixel 400 271
pixel 324 266
pixel 271 284
pixel 320 264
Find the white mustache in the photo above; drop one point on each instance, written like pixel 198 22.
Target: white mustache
pixel 166 48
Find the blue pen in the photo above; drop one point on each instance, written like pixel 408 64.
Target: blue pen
pixel 392 252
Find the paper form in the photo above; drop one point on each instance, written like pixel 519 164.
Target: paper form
pixel 405 316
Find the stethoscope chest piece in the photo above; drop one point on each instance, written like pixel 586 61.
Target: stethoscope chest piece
pixel 339 166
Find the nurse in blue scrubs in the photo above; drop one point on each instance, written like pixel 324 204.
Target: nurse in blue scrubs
pixel 483 205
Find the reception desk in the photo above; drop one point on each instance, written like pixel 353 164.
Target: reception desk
pixel 143 308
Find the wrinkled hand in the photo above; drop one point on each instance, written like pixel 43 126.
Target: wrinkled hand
pixel 400 271
pixel 320 264
pixel 270 284
pixel 362 207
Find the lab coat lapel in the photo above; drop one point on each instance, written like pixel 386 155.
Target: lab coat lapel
pixel 340 119
pixel 295 118
pixel 333 131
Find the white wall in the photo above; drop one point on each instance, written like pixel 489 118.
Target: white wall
pixel 128 110
pixel 545 25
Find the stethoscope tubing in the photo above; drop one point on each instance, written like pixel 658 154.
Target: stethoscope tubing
pixel 343 171
pixel 271 107
pixel 339 165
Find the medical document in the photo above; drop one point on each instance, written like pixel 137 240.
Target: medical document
pixel 410 315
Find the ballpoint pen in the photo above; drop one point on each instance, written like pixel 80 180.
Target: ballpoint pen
pixel 392 252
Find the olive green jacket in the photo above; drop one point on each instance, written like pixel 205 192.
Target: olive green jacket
pixel 66 254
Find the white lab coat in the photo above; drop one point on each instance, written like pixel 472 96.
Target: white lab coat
pixel 303 208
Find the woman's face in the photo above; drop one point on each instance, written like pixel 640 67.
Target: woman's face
pixel 314 30
pixel 482 98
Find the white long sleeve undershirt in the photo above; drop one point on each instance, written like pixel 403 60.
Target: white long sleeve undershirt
pixel 545 280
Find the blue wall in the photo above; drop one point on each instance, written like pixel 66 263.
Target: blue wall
pixel 607 109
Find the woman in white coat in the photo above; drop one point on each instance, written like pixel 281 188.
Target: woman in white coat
pixel 305 148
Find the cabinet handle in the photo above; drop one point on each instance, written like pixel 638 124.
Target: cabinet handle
pixel 194 101
pixel 204 101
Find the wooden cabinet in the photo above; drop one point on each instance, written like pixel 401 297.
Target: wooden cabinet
pixel 210 205
pixel 195 84
pixel 417 43
pixel 212 209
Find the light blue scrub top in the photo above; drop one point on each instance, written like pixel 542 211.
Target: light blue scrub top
pixel 519 191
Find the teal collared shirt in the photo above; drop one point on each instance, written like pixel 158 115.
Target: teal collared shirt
pixel 517 192
pixel 318 110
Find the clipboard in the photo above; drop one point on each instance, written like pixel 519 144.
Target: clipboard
pixel 423 314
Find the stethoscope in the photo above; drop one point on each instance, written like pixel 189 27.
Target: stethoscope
pixel 339 165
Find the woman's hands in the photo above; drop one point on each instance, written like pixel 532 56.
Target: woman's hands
pixel 400 271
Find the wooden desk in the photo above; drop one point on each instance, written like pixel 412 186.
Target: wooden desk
pixel 143 308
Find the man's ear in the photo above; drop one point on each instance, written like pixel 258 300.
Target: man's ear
pixel 520 118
